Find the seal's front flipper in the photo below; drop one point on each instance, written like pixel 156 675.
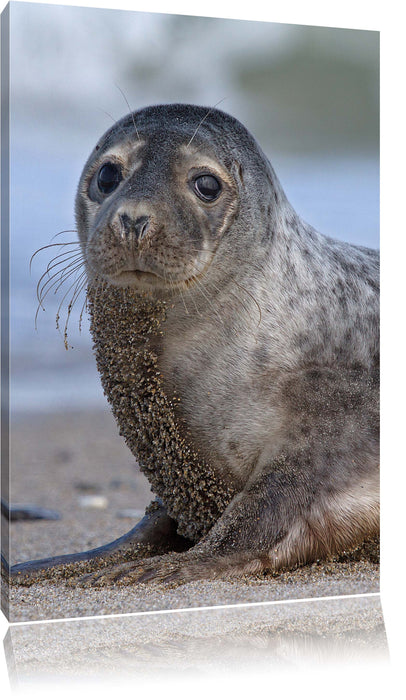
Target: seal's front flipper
pixel 156 532
pixel 285 518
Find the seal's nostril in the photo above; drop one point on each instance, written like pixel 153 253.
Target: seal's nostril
pixel 141 226
pixel 126 224
pixel 136 228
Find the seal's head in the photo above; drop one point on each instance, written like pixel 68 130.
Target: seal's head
pixel 161 190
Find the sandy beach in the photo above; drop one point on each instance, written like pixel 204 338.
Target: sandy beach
pixel 77 464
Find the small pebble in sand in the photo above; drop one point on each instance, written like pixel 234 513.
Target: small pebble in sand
pixel 134 513
pixel 93 501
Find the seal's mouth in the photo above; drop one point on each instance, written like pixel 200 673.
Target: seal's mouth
pixel 141 278
pixel 135 278
pixel 136 274
pixel 144 279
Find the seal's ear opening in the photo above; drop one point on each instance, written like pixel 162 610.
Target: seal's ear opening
pixel 236 169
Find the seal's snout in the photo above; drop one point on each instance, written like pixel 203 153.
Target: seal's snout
pixel 133 229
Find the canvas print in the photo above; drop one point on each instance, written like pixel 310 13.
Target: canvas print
pixel 191 397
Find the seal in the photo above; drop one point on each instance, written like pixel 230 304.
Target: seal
pixel 239 351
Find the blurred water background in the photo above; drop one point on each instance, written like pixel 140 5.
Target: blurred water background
pixel 310 96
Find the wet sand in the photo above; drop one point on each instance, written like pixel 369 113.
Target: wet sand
pixel 77 464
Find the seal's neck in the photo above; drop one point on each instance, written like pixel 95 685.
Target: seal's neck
pixel 127 329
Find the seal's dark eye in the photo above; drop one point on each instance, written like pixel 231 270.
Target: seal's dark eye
pixel 207 187
pixel 108 178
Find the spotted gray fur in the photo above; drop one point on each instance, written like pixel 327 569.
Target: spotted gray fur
pixel 237 346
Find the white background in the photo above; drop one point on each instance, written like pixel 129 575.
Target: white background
pixel 316 682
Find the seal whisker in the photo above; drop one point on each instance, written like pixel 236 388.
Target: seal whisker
pixel 84 306
pixel 204 119
pixel 81 283
pixel 241 287
pixel 252 265
pixel 74 286
pixel 67 292
pixel 51 281
pixel 66 255
pixel 52 245
pixel 235 296
pixel 67 230
pixel 200 287
pixel 65 276
pixel 174 286
pixel 183 301
pixel 131 112
pixel 191 295
pixel 113 120
pixel 60 275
